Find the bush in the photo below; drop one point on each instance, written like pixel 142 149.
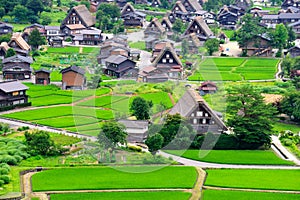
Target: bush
pixel 8 159
pixel 4 171
pixel 1 183
pixel 5 179
pixel 4 166
pixel 23 128
pixel 134 148
pixel 68 39
pixel 287 142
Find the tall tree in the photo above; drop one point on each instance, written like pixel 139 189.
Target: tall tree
pixel 291 36
pixel 184 47
pixel 35 39
pixel 140 108
pixel 250 117
pixel 20 13
pixel 212 45
pixel 279 37
pixel 110 10
pixel 290 105
pixel 178 26
pixel 36 6
pixel 111 134
pixel 2 12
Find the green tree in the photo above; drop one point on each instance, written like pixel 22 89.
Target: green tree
pixel 45 20
pixel 35 39
pixel 5 38
pixel 20 13
pixel 290 105
pixel 250 117
pixel 178 26
pixel 291 36
pixel 184 48
pixel 154 143
pixel 2 12
pixel 212 45
pixel 111 134
pixel 36 6
pixel 10 52
pixel 279 37
pixel 58 3
pixel 95 82
pixel 110 10
pixel 249 29
pixel 140 108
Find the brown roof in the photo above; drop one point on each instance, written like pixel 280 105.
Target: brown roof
pixel 201 23
pixel 167 21
pixel 75 26
pixel 16 37
pixel 156 23
pixel 194 3
pixel 4 46
pixel 85 15
pixel 195 39
pixel 168 47
pixel 128 5
pixel 180 5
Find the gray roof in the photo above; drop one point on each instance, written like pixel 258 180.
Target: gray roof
pixel 52 28
pixel 294 24
pixel 12 86
pixel 18 57
pixel 42 70
pixel 138 124
pixel 195 4
pixel 116 59
pixel 289 16
pixel 6 25
pixel 270 17
pixel 73 68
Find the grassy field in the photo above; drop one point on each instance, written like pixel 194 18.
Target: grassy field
pixel 138 45
pixel 253 157
pixel 109 178
pixel 240 195
pixel 255 179
pixel 235 69
pixel 63 50
pixel 278 127
pixel 123 196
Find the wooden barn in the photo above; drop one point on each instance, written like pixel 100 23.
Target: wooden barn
pixel 42 76
pixel 73 78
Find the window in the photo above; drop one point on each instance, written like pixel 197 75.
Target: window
pixel 21 92
pixel 22 101
pixel 199 113
pixel 204 121
pixel 164 60
pixel 171 60
pixel 206 114
pixel 16 102
pixel 194 121
pixel 192 115
pixel 168 55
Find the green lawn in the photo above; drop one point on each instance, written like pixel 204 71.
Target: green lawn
pixel 235 69
pixel 118 178
pixel 123 196
pixel 63 50
pixel 255 178
pixel 67 121
pixel 90 50
pixel 241 195
pixel 278 127
pixel 253 157
pixel 138 45
pixel 228 33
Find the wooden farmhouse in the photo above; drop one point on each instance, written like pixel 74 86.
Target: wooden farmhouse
pixel 91 36
pixel 259 46
pixel 193 43
pixel 191 5
pixel 72 29
pixel 137 130
pixel 166 23
pixel 42 76
pixel 79 15
pixel 3 49
pixel 73 78
pixel 17 67
pixel 5 28
pixel 120 66
pixel 12 93
pixel 200 28
pixel 228 18
pixel 202 118
pixel 207 87
pixel 131 17
pixel 178 7
pixel 290 3
pixel 152 74
pixel 19 44
pixel 27 30
pixel 155 29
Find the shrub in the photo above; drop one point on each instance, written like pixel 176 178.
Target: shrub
pixel 1 183
pixel 23 128
pixel 4 171
pixel 5 178
pixel 287 142
pixel 134 148
pixel 8 159
pixel 68 39
pixel 4 166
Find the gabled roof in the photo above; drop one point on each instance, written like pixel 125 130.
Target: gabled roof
pixel 168 47
pixel 35 25
pixel 180 5
pixel 75 26
pixel 193 37
pixel 17 57
pixel 16 37
pixel 167 21
pixel 117 59
pixel 294 24
pixel 52 28
pixel 84 14
pixel 124 10
pixel 189 102
pixel 43 70
pixel 157 24
pixel 158 2
pixel 289 16
pixel 74 69
pixel 194 4
pixel 12 86
pixel 201 23
pixel 6 25
pixel 4 46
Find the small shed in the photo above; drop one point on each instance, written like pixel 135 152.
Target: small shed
pixel 136 129
pixel 42 76
pixel 73 78
pixel 207 87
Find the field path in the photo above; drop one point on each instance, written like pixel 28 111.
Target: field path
pixel 172 99
pixel 251 190
pixel 27 188
pixel 279 71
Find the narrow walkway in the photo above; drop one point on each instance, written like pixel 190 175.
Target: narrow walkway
pixel 279 70
pixel 189 162
pixel 251 190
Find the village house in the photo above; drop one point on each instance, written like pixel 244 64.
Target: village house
pixel 292 10
pixel 73 78
pixel 131 17
pixel 154 29
pixel 79 15
pixel 91 36
pixel 150 42
pixel 207 87
pixel 113 46
pixel 137 130
pixel 178 8
pixel 259 46
pixel 120 67
pixel 200 28
pixel 5 28
pixel 42 76
pixel 12 93
pixel 208 17
pixel 285 18
pixel 52 31
pixel 17 67
pixel 193 43
pixel 288 3
pixel 3 49
pixel 72 29
pixel 19 44
pixel 27 30
pixel 159 46
pixel 191 6
pixel 294 51
pixel 166 23
pixel 228 17
pixel 296 28
pixel 151 74
pixel 156 3
pixel 198 113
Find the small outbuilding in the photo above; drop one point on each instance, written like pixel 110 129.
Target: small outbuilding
pixel 207 87
pixel 42 76
pixel 73 78
pixel 137 130
pixel 12 93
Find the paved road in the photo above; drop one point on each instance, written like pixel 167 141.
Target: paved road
pixel 195 163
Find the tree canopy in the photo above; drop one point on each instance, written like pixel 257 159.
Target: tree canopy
pixel 154 143
pixel 212 45
pixel 141 108
pixel 35 39
pixel 111 134
pixel 290 105
pixel 250 117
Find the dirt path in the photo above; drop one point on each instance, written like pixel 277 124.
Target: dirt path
pixel 250 190
pixel 197 190
pixel 172 99
pixel 27 189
